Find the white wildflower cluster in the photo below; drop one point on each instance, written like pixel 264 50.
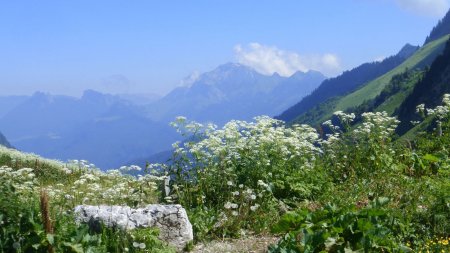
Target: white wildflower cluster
pixel 131 168
pixel 30 158
pixel 244 201
pixel 115 188
pixel 330 125
pixel 23 180
pixel 440 111
pixel 139 245
pixel 255 152
pixel 345 118
pixel 330 141
pixel 81 164
pixel 420 109
pixel 93 186
pixel 188 127
pixel 446 100
pixel 378 125
pixel 264 136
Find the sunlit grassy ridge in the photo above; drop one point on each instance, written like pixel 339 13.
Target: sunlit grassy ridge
pixel 423 57
pixel 395 100
pixel 373 88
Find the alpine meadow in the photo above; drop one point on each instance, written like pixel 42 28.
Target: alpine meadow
pixel 321 147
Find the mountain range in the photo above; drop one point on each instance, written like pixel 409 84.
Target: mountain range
pixel 234 91
pixel 110 130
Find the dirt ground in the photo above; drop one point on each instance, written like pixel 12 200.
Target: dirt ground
pixel 251 244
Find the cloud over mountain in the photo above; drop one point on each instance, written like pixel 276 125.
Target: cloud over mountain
pixel 269 59
pixel 116 83
pixel 434 8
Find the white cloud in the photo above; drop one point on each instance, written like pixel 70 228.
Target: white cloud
pixel 270 59
pixel 117 83
pixel 379 58
pixel 433 8
pixel 189 80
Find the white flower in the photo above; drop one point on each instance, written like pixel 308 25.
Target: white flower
pixel 262 184
pixel 420 108
pixel 254 207
pixel 67 170
pixel 135 167
pixel 235 213
pixel 229 183
pixel 228 205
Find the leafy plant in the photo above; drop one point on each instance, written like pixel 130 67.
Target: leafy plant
pixel 332 229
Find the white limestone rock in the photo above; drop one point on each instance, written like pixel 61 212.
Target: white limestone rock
pixel 172 220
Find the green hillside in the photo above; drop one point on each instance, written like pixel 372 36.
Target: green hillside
pixel 393 94
pixel 396 99
pixel 420 59
pixel 372 89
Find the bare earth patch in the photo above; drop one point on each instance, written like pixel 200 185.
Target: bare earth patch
pixel 250 244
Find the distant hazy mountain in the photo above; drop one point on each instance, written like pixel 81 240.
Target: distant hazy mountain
pixel 110 130
pixel 441 29
pixel 7 103
pixel 347 82
pixel 45 114
pixel 140 99
pixel 234 91
pixel 103 129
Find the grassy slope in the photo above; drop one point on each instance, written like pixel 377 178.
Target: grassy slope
pixel 373 88
pixel 420 59
pixel 394 101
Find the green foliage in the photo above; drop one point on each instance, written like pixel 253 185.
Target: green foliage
pixel 330 229
pixel 368 168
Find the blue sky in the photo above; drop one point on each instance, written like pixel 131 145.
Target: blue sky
pixel 65 47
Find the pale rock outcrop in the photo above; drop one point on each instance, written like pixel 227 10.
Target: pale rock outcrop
pixel 172 220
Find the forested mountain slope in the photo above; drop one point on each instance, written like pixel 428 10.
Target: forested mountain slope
pixel 419 60
pixel 347 82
